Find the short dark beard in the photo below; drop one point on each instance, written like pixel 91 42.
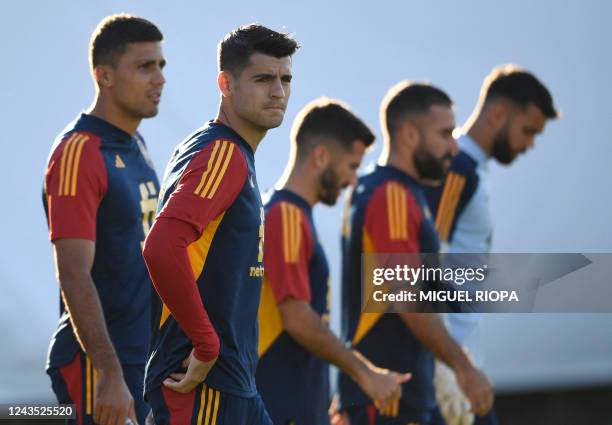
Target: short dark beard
pixel 329 187
pixel 428 166
pixel 502 151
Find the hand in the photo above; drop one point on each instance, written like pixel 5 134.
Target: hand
pixel 114 404
pixel 477 388
pixel 337 417
pixel 454 406
pixel 340 418
pixel 384 387
pixel 197 371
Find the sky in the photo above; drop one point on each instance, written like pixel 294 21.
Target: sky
pixel 555 199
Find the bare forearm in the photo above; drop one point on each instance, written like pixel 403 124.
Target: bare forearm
pixel 430 330
pixel 87 317
pixel 307 328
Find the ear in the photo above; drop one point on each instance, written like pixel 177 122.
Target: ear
pixel 320 156
pixel 408 134
pixel 103 75
pixel 498 115
pixel 224 83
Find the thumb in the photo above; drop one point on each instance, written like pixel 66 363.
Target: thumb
pixel 171 383
pixel 400 379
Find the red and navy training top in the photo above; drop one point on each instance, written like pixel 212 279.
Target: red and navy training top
pixel 387 214
pixel 100 185
pixel 205 256
pixel 293 382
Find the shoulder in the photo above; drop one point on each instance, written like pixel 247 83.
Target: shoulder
pixel 76 148
pixel 464 165
pixel 286 215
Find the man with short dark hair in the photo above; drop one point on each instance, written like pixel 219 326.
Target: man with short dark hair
pixel 513 109
pixel 100 195
pixel 388 214
pixel 205 249
pixel 295 344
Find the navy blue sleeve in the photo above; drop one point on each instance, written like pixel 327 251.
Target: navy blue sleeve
pixel 450 199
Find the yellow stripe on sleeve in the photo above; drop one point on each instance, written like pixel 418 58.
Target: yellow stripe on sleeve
pixel 208 167
pixel 452 208
pixel 403 217
pixel 297 227
pixel 448 186
pixel 77 159
pixel 397 212
pixel 63 163
pixel 215 170
pixel 390 216
pixel 285 221
pixel 448 204
pixel 69 165
pixel 222 172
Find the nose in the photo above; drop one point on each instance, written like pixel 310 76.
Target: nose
pixel 158 78
pixel 277 90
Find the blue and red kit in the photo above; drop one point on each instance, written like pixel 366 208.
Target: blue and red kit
pixel 100 185
pixel 387 214
pixel 293 382
pixel 205 257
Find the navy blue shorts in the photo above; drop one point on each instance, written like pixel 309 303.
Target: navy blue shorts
pixel 206 406
pixel 76 383
pixel 368 415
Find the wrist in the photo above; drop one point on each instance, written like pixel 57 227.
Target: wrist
pixel 109 369
pixel 361 368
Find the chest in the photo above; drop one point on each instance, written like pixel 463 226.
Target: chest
pixel 132 187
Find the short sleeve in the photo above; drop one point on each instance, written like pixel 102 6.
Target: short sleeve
pixel 287 251
pixel 209 185
pixel 75 183
pixel 392 220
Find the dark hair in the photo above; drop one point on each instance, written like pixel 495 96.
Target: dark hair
pixel 331 119
pixel 236 48
pixel 519 86
pixel 409 98
pixel 113 34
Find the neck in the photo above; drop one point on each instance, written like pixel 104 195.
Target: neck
pixel 480 134
pixel 399 161
pixel 112 114
pixel 303 184
pixel 251 134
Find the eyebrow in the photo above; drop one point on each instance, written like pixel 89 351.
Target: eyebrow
pixel 271 75
pixel 147 62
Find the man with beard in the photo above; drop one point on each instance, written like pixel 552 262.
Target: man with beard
pixel 205 249
pixel 295 343
pixel 512 111
pixel 388 214
pixel 100 195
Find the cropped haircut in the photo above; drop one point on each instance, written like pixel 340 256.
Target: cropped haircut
pixel 326 119
pixel 521 87
pixel 236 48
pixel 407 99
pixel 112 35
